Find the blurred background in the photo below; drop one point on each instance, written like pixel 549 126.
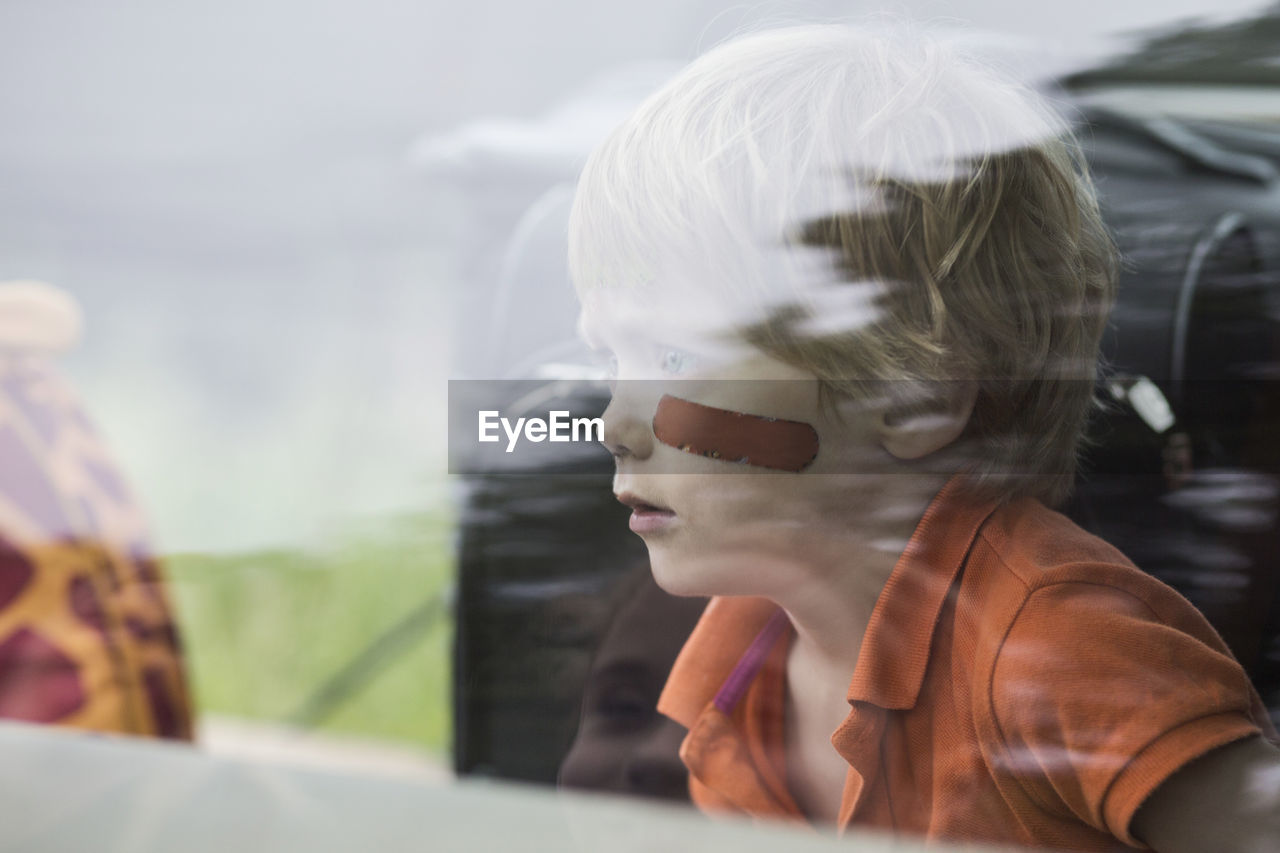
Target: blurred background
pixel 288 225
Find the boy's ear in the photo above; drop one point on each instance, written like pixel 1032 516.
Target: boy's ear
pixel 914 430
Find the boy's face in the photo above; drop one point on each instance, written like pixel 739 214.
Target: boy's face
pixel 719 527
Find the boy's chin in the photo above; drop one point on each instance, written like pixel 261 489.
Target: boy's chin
pixel 696 576
pixel 673 578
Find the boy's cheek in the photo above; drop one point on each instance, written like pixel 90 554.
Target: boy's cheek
pixel 731 436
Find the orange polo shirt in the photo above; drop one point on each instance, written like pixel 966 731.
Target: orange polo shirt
pixel 1020 681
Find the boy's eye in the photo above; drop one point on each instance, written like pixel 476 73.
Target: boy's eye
pixel 674 362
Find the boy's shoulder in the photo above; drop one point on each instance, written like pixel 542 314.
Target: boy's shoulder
pixel 1038 545
pixel 1040 593
pixel 1026 553
pixel 1092 681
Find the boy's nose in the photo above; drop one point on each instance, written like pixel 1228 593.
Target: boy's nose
pixel 628 422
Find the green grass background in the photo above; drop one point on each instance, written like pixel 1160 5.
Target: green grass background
pixel 264 630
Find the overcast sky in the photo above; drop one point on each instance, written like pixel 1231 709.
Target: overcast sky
pixel 121 68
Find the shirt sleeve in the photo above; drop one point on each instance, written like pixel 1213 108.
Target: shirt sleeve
pixel 1100 695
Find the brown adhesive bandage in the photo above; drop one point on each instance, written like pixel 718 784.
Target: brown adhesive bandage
pixel 734 436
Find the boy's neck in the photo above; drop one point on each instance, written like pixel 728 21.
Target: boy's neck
pixel 831 608
pixel 830 612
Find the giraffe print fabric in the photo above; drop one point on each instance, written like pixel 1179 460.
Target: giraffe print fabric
pixel 87 636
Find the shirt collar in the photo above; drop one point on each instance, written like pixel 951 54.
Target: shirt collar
pixel 898 640
pixel 897 643
pixel 709 656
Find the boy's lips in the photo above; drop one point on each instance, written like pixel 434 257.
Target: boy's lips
pixel 646 517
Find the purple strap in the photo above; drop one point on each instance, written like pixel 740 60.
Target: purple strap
pixel 735 686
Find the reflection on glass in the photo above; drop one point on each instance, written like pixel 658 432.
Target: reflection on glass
pixel 889 266
pixel 623 745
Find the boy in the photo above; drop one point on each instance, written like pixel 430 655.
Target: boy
pixel 868 276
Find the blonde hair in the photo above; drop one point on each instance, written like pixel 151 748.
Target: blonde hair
pixel 951 203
